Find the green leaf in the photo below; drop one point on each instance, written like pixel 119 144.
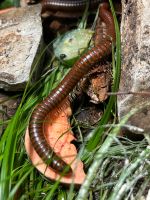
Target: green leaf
pixel 9 3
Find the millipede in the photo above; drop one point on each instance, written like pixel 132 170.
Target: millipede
pixel 65 87
pixel 67 5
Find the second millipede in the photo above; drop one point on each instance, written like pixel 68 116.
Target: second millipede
pixel 67 5
pixel 80 69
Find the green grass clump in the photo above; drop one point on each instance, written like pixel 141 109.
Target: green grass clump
pixel 9 3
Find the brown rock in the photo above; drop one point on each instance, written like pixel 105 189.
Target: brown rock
pixel 97 83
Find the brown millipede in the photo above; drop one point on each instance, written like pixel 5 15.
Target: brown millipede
pixel 80 68
pixel 67 5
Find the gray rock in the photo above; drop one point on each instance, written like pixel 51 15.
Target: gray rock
pixel 135 36
pixel 20 40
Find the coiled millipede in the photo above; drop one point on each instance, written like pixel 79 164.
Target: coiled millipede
pixel 65 87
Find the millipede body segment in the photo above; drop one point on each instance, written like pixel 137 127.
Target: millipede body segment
pixel 67 5
pixel 80 68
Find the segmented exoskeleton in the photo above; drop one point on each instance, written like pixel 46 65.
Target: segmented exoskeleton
pixel 65 87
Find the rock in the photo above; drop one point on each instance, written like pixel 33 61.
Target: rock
pixel 135 36
pixel 20 40
pixel 8 107
pixel 89 116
